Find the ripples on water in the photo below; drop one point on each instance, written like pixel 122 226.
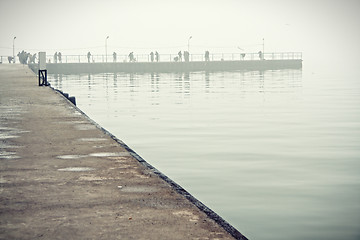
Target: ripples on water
pixel 275 153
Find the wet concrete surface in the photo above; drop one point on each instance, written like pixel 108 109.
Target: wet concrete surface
pixel 62 179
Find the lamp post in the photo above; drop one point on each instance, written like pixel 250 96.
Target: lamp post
pixel 189 43
pixel 106 47
pixel 14 49
pixel 263 49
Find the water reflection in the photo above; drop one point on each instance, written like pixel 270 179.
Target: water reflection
pixel 209 82
pixel 267 150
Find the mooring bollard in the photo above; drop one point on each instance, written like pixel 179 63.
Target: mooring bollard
pixel 73 100
pixel 42 70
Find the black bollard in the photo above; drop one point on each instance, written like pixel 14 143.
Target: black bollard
pixel 73 100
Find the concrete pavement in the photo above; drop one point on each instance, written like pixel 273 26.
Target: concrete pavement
pixel 63 177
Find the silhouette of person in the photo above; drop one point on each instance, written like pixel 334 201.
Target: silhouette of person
pixel 59 57
pixel 10 59
pixel 55 57
pixel 157 56
pixel 32 58
pixel 261 56
pixel 20 57
pixel 131 56
pixel 186 56
pixel 88 56
pixel 180 56
pixel 152 56
pixel 207 56
pixel 114 56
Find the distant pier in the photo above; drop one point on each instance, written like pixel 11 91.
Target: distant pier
pixel 218 62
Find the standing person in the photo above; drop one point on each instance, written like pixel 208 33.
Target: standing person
pixel 180 56
pixel 152 56
pixel 207 56
pixel 88 56
pixel 131 56
pixel 186 56
pixel 114 56
pixel 55 57
pixel 59 57
pixel 157 56
pixel 261 55
pixel 32 58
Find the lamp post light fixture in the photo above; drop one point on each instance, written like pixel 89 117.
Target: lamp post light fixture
pixel 106 47
pixel 14 49
pixel 189 43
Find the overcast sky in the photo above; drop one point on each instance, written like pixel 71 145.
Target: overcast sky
pixel 324 28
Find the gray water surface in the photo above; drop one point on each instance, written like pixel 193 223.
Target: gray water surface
pixel 276 153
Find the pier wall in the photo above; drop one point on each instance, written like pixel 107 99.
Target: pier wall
pixel 73 68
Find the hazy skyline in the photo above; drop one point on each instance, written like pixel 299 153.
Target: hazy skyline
pixel 316 28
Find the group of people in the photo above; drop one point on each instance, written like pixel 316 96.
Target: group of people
pixel 24 57
pixel 180 56
pixel 157 56
pixel 57 57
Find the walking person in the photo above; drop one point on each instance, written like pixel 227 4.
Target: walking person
pixel 152 56
pixel 157 56
pixel 114 56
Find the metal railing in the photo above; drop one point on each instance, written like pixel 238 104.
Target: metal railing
pixel 170 57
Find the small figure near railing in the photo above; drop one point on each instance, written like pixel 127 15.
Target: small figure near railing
pixel 131 57
pixel 55 57
pixel 11 59
pixel 180 56
pixel 207 56
pixel 88 57
pixel 261 55
pixel 59 57
pixel 186 56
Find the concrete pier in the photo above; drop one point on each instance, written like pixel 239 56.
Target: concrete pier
pixel 74 68
pixel 64 177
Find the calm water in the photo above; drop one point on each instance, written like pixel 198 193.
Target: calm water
pixel 275 153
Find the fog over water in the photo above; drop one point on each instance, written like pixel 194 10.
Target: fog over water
pixel 325 31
